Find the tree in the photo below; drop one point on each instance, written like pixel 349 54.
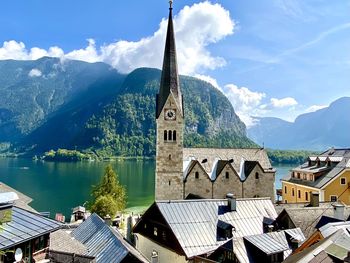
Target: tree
pixel 108 196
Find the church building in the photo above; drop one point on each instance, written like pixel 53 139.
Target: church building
pixel 200 172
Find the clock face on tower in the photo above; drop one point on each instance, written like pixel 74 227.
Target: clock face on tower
pixel 170 114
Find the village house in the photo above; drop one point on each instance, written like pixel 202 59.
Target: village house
pixel 93 241
pixel 327 174
pixel 310 216
pixel 204 172
pixel 214 230
pixel 332 245
pixel 25 235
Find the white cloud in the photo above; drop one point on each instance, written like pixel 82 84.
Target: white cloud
pixel 245 102
pixel 196 27
pixel 315 108
pixel 282 103
pixel 208 79
pixel 17 50
pixel 35 73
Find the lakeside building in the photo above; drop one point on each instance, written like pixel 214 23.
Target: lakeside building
pixel 24 235
pixel 204 172
pixel 93 241
pixel 214 230
pixel 327 174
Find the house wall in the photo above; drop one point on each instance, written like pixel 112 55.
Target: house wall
pixel 290 198
pixel 335 188
pixel 223 185
pixel 264 186
pixel 201 186
pixel 147 246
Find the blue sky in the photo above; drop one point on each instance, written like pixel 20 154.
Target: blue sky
pixel 270 58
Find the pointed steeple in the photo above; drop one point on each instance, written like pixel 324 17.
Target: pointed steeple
pixel 169 83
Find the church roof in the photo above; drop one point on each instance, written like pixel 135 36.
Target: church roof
pixel 169 83
pixel 213 160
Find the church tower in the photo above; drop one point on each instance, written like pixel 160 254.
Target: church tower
pixel 170 125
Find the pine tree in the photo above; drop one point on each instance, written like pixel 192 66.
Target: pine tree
pixel 109 196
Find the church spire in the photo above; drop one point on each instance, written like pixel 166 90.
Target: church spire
pixel 169 83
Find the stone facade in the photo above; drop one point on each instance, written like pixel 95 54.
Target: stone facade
pixel 169 159
pixel 258 183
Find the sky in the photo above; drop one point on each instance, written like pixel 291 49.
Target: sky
pixel 271 58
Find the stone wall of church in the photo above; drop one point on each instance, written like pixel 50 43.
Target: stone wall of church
pixel 169 159
pixel 227 182
pixel 259 184
pixel 200 185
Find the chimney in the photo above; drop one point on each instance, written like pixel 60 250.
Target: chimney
pixel 339 211
pixel 108 220
pixel 315 199
pixel 294 244
pixel 231 202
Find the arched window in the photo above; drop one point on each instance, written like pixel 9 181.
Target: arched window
pixel 174 135
pixel 165 135
pixel 170 135
pixel 256 175
pixel 169 157
pixel 196 175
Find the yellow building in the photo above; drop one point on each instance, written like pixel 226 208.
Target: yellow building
pixel 327 174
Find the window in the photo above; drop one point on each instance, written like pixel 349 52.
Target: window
pixel 342 180
pixel 257 175
pixel 170 135
pixel 165 135
pixel 169 157
pixel 227 175
pixel 298 175
pixel 304 176
pixel 196 175
pixel 285 189
pixel 334 198
pixel 169 182
pixel 299 194
pixel 155 231
pixel 292 191
pixel 306 196
pixel 174 135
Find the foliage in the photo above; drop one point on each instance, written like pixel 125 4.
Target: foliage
pixel 289 156
pixel 65 155
pixel 108 196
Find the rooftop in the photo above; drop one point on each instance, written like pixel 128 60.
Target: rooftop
pixel 104 243
pixel 194 222
pixel 25 225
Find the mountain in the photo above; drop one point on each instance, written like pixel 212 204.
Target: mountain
pixel 92 107
pixel 319 130
pixel 30 91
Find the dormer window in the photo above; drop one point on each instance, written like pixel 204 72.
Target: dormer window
pixel 224 230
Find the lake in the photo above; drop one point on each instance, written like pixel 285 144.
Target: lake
pixel 57 187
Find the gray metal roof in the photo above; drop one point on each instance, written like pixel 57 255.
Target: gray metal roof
pixel 340 156
pixel 331 228
pixel 194 222
pixel 102 242
pixel 269 243
pixel 24 226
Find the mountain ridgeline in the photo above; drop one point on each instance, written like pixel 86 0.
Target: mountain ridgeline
pixel 319 130
pixel 50 104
